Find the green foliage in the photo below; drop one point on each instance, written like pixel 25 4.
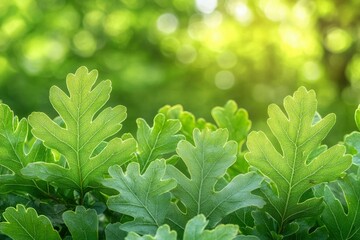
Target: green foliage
pixel 207 162
pixel 158 141
pixel 341 216
pixel 24 224
pixel 181 178
pixel 162 233
pixel 298 166
pixel 82 224
pixel 16 152
pixel 82 134
pixel 195 229
pixel 144 197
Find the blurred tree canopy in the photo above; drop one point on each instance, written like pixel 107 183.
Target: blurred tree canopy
pixel 198 53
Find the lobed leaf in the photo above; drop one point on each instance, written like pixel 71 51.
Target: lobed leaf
pixel 195 230
pixel 24 224
pixel 144 197
pixel 82 134
pixel 343 222
pixel 295 168
pixel 162 233
pixel 82 224
pixel 207 162
pixel 157 141
pixel 15 154
pixel 237 122
pixel 187 120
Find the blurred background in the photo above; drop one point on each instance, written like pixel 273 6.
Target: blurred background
pixel 198 53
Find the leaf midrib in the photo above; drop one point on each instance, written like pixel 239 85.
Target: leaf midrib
pixel 290 183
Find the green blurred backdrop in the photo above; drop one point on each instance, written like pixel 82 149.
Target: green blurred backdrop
pixel 197 53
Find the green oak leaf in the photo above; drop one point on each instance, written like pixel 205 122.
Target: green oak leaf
pixel 292 168
pixel 85 129
pixel 352 140
pixel 237 122
pixel 187 119
pixel 343 222
pixel 207 161
pixel 158 141
pixel 162 233
pixel 195 230
pixel 16 152
pixel 82 224
pixel 113 231
pixel 25 224
pixel 144 197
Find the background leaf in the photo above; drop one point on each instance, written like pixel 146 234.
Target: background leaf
pixel 207 162
pixel 195 230
pixel 162 233
pixel 24 224
pixel 187 119
pixel 237 122
pixel 82 224
pixel 293 169
pixel 144 197
pixel 158 141
pixel 16 152
pixel 81 135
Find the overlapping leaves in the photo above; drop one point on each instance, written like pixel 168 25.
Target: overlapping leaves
pixel 298 164
pixel 158 141
pixel 207 162
pixel 145 197
pixel 16 152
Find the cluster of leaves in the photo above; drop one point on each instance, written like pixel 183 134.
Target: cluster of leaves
pixel 76 177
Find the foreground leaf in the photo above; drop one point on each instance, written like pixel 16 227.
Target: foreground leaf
pixel 82 224
pixel 207 163
pixel 82 134
pixel 295 168
pixel 24 224
pixel 144 197
pixel 15 156
pixel 343 222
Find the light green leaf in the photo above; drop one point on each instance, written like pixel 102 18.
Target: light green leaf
pixel 237 122
pixel 144 197
pixel 158 141
pixel 82 134
pixel 82 224
pixel 207 162
pixel 357 117
pixel 25 224
pixel 162 233
pixel 343 222
pixel 293 169
pixel 187 119
pixel 15 154
pixel 352 140
pixel 195 230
